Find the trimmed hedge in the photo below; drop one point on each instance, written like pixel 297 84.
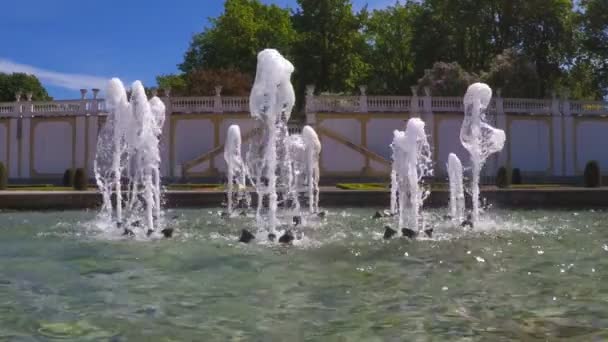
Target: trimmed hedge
pixel 68 178
pixel 502 178
pixel 592 175
pixel 3 177
pixel 81 180
pixel 516 176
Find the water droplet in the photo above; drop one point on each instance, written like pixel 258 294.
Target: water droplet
pixel 529 273
pixel 445 288
pixel 540 252
pixel 562 270
pixel 468 252
pixel 406 254
pixel 554 298
pixel 593 270
pixel 605 247
pixel 480 259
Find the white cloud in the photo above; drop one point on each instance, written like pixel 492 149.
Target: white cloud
pixel 63 80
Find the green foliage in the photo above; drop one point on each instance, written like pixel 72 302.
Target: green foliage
pixel 447 79
pixel 330 49
pixel 516 176
pixel 529 48
pixel 81 180
pixel 235 37
pixel 515 74
pixel 502 178
pixel 68 178
pixel 592 175
pixel 3 177
pixel 389 33
pixel 10 84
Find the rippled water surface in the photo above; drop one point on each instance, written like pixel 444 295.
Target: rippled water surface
pixel 523 275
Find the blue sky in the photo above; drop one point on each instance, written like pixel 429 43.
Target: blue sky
pixel 72 44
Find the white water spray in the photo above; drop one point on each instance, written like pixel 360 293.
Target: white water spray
pixel 128 151
pixel 271 101
pixel 411 162
pixel 478 137
pixel 455 174
pixel 235 167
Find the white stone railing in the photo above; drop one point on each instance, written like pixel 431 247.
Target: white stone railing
pixel 587 108
pixel 531 106
pixel 318 104
pixel 193 104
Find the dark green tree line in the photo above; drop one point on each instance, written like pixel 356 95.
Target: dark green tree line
pixel 529 48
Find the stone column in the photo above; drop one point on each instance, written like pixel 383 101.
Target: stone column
pixel 501 123
pixel 24 138
pixel 13 139
pixel 556 143
pixel 217 100
pixel 92 129
pixel 429 121
pixel 568 127
pixel 165 138
pixel 310 110
pixel 363 99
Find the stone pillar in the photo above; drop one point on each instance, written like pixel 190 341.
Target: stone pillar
pixel 217 101
pixel 310 110
pixel 13 140
pixel 24 138
pixel 556 143
pixel 165 139
pixel 363 99
pixel 429 121
pixel 414 107
pixel 501 123
pixel 568 143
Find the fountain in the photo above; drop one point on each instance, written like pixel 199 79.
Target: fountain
pixel 455 175
pixel 128 152
pixel 411 162
pixel 235 169
pixel 304 150
pixel 478 137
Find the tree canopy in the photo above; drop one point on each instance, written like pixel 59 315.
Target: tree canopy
pixel 11 84
pixel 529 48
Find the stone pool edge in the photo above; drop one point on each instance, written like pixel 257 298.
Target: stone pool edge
pixel 563 197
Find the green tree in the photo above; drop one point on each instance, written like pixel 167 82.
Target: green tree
pixel 10 84
pixel 447 79
pixel 330 49
pixel 389 33
pixel 593 21
pixel 515 74
pixel 175 83
pixel 235 37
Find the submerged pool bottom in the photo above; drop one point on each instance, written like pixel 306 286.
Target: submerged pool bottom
pixel 522 275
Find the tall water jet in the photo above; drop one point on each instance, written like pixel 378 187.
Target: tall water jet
pixel 128 151
pixel 304 152
pixel 235 167
pixel 455 176
pixel 411 162
pixel 478 137
pixel 271 101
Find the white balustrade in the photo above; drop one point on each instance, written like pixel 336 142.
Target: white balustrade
pixel 61 107
pixel 527 106
pixel 235 104
pixel 201 104
pixel 323 103
pixel 446 104
pixel 588 108
pixel 389 103
pixel 332 103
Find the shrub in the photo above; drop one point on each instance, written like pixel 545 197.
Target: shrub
pixel 3 177
pixel 68 178
pixel 593 178
pixel 502 178
pixel 80 179
pixel 516 176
